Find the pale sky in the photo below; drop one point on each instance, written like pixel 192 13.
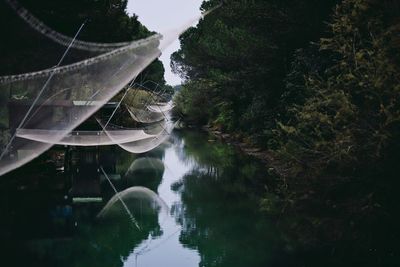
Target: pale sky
pixel 162 15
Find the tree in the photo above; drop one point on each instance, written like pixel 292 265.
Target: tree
pixel 244 48
pixel 351 114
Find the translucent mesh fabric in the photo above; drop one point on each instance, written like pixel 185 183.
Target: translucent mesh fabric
pixel 147 144
pixel 57 37
pixel 61 98
pixel 160 108
pixel 70 95
pixel 145 116
pixel 83 138
pixel 137 199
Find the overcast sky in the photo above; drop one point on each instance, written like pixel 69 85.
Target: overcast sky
pixel 161 15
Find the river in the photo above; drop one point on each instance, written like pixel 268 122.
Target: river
pixel 205 213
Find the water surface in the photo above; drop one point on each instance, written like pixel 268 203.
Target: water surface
pixel 212 218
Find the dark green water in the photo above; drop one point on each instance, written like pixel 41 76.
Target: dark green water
pixel 212 220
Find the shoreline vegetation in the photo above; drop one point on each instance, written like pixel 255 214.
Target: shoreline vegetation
pixel 318 104
pixel 324 215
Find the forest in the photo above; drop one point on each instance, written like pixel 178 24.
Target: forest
pixel 285 152
pixel 314 86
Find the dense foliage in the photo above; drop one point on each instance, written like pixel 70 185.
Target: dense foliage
pixel 260 69
pixel 238 57
pixel 314 83
pixel 351 114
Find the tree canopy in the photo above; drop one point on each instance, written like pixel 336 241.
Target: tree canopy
pixel 308 79
pixel 239 55
pixel 315 84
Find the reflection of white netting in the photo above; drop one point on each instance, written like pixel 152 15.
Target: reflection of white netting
pixel 58 37
pixel 145 163
pixel 138 200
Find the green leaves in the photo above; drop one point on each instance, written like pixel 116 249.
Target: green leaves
pixel 243 48
pixel 345 118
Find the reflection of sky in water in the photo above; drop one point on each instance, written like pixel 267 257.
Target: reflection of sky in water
pixel 167 249
pixel 210 192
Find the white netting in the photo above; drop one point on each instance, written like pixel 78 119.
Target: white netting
pixel 160 108
pixel 61 98
pixel 144 116
pixel 136 53
pixel 147 144
pixel 83 138
pixel 57 37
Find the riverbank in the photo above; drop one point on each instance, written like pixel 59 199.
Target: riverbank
pixel 212 192
pixel 250 149
pixel 330 212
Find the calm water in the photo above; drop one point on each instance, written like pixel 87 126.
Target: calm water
pixel 212 217
pixel 206 213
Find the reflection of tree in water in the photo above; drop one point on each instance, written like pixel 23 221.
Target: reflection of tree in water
pixel 210 157
pixel 219 212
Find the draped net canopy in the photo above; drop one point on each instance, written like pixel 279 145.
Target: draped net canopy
pixel 44 107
